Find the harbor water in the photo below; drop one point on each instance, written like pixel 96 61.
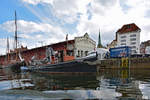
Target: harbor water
pixel 105 85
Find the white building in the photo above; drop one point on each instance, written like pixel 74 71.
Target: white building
pixel 129 35
pixel 83 45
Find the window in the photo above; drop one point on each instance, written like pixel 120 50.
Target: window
pixel 81 53
pixel 133 35
pixel 132 43
pixel 123 36
pixel 70 52
pixel 86 53
pixel 133 39
pixel 123 43
pixel 133 51
pixel 128 26
pixel 123 40
pixel 78 54
pixel 133 47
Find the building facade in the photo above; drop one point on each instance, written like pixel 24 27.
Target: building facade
pixel 83 45
pixel 64 51
pixel 143 46
pixel 129 35
pixel 113 44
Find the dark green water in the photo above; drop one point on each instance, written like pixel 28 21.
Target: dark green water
pixel 105 85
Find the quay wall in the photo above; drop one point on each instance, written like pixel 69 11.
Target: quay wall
pixel 133 63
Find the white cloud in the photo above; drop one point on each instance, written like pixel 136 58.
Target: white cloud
pixel 66 10
pixel 31 32
pixel 27 27
pixel 3 45
pixel 108 15
pixel 35 2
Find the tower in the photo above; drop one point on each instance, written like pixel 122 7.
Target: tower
pixel 99 41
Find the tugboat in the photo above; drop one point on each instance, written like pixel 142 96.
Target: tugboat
pixel 79 65
pixel 76 65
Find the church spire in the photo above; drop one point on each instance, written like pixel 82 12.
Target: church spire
pixel 99 41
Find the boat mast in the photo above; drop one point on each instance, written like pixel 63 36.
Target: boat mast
pixel 16 40
pixel 16 37
pixel 7 50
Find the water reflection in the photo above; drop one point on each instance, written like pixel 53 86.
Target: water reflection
pixel 105 85
pixel 64 81
pixel 126 82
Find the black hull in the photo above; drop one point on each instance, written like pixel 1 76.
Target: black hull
pixel 70 67
pixel 15 67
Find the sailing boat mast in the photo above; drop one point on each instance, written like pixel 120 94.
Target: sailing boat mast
pixel 16 37
pixel 16 40
pixel 7 50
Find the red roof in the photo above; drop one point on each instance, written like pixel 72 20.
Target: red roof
pixel 128 28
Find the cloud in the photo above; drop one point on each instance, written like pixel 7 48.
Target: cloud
pixel 65 10
pixel 35 2
pixel 28 27
pixel 84 16
pixel 109 17
pixel 31 32
pixel 92 15
pixel 106 3
pixel 3 45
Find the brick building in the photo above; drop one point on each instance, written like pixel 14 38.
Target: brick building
pixel 67 50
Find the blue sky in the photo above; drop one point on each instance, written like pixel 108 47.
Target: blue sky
pixel 50 20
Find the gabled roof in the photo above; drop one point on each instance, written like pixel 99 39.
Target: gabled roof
pixel 128 28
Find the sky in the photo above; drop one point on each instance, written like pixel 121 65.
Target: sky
pixel 43 22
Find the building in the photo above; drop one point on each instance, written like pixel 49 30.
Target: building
pixel 143 46
pixel 64 51
pixel 113 44
pixel 129 35
pixel 83 45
